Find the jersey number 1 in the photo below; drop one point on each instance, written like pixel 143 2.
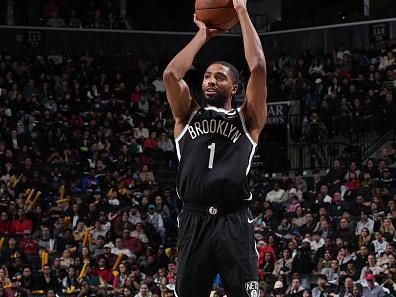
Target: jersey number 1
pixel 212 148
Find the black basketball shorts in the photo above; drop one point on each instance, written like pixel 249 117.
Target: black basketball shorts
pixel 214 242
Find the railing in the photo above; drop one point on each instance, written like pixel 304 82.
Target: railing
pixel 155 43
pixel 320 155
pixel 349 135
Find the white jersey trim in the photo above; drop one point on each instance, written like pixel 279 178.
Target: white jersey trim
pixel 188 123
pixel 250 138
pixel 184 132
pixel 251 158
pixel 257 253
pixel 178 195
pixel 220 109
pixel 250 197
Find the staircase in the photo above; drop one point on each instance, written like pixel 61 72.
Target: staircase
pixel 371 142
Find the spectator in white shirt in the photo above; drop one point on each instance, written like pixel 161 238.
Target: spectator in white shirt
pixel 99 230
pixel 277 195
pixel 120 249
pixel 159 85
pixel 365 222
pixel 379 244
pixel 134 215
pixel 317 242
pixel 372 265
pixel 332 273
pixel 140 133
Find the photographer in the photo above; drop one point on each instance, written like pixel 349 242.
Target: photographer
pixel 314 133
pixel 315 130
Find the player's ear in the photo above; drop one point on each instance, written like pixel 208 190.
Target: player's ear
pixel 234 89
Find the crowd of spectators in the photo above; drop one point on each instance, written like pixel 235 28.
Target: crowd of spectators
pixel 86 14
pixel 79 137
pixel 83 213
pixel 344 91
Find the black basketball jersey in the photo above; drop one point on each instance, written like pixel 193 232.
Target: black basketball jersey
pixel 215 152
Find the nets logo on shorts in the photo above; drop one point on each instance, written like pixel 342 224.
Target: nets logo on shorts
pixel 252 289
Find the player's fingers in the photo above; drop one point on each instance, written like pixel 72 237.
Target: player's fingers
pixel 196 19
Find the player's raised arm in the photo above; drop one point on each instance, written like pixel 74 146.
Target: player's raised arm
pixel 255 106
pixel 177 91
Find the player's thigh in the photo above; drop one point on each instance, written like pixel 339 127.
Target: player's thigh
pixel 237 255
pixel 195 263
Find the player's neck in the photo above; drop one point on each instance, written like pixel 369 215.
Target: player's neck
pixel 226 106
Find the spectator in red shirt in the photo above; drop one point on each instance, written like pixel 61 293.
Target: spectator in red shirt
pixel 353 182
pixel 5 224
pixel 21 223
pixel 27 244
pixel 132 243
pixel 105 273
pixel 263 248
pixel 151 147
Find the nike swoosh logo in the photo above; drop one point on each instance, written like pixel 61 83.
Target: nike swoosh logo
pixel 250 221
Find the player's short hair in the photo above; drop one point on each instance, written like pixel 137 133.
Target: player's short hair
pixel 233 69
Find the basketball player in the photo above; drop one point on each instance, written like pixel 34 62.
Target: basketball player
pixel 215 146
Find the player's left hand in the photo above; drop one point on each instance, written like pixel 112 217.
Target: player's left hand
pixel 210 32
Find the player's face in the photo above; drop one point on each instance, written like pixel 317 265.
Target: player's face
pixel 218 85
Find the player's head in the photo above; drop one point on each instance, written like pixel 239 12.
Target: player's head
pixel 220 83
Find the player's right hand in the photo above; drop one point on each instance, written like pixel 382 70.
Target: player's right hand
pixel 239 4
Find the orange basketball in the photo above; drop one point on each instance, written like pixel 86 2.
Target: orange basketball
pixel 219 14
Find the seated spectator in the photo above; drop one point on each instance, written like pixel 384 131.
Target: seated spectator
pixel 55 21
pixel 350 270
pixel 140 234
pixel 151 147
pixel 320 290
pixel 97 21
pixel 5 223
pixel 283 266
pixel 146 175
pixel 70 282
pixel 362 257
pixel 388 230
pixel 27 280
pixel 276 195
pixel 28 245
pixel 364 237
pixel 66 259
pixel 379 244
pixel 372 266
pixel 324 262
pixel 120 249
pixel 74 21
pixel 143 291
pixel 4 277
pixel 364 223
pixel 332 274
pixel 372 289
pixel 105 274
pixel 317 242
pixel 21 223
pixel 347 288
pixel 295 289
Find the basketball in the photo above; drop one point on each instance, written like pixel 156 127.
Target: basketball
pixel 218 14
